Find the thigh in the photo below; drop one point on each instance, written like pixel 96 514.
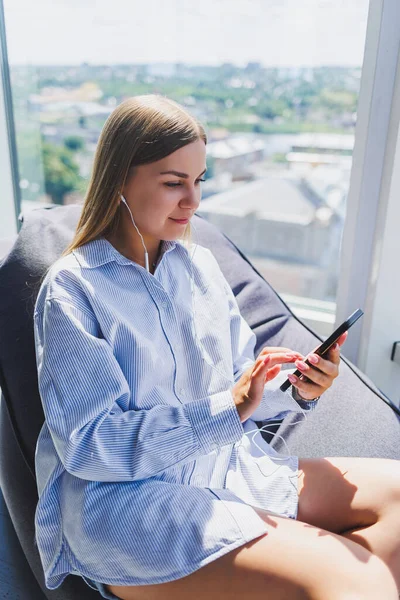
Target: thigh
pixel 339 494
pixel 294 560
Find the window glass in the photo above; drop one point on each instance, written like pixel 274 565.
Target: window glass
pixel 275 83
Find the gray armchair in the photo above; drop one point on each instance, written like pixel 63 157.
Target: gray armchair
pixel 352 419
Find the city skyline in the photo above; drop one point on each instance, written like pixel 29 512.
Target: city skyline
pixel 281 33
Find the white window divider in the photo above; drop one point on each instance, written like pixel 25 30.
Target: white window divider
pixel 373 206
pixel 9 199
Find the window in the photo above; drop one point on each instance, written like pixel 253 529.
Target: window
pixel 276 85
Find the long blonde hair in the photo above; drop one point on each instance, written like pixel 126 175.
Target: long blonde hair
pixel 141 130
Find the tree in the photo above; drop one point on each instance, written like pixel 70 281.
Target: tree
pixel 270 108
pixel 61 173
pixel 74 143
pixel 82 122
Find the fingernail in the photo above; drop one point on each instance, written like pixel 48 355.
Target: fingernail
pixel 301 365
pixel 266 360
pixel 292 378
pixel 313 358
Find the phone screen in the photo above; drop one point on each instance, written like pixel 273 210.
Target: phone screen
pixel 324 347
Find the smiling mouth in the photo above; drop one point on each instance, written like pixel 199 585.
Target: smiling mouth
pixel 182 221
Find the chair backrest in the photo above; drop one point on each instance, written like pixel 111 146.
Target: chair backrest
pixel 43 236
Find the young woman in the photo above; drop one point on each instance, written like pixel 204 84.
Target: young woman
pixel 150 483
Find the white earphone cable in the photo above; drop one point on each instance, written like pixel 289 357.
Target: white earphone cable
pixel 200 346
pixel 258 430
pixel 146 256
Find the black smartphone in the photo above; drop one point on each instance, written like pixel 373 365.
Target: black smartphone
pixel 324 347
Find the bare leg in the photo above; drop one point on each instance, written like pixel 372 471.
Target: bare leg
pixel 358 498
pixel 294 560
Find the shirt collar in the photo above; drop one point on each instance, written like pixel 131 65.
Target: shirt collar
pixel 99 252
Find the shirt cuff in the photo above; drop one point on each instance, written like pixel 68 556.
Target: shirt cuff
pixel 215 420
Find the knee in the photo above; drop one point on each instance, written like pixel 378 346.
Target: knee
pixel 390 480
pixel 362 579
pixel 395 483
pixel 373 583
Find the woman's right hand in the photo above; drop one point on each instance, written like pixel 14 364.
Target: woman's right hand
pixel 248 390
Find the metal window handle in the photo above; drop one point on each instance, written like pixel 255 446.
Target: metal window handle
pixel 395 356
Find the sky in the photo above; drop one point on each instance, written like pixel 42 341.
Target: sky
pixel 273 32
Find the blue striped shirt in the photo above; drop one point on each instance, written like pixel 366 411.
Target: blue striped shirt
pixel 145 472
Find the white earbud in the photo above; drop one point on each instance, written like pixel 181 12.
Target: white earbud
pixel 146 256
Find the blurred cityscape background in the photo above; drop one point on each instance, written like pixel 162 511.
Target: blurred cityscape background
pixel 280 141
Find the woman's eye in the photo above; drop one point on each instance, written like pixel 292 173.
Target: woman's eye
pixel 172 184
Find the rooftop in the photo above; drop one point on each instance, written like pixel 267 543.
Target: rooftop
pixel 272 198
pixel 234 146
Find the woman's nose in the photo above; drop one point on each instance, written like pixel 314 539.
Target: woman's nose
pixel 191 199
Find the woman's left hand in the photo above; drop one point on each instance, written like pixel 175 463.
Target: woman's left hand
pixel 320 374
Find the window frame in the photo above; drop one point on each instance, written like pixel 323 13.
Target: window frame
pixel 371 195
pixel 11 196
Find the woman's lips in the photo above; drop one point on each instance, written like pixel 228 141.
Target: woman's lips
pixel 180 221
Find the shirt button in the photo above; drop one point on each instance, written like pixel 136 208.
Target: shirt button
pixel 182 391
pixel 164 304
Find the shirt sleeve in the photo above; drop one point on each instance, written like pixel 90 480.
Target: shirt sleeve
pixel 275 404
pixel 83 388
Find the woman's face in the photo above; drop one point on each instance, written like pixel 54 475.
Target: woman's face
pixel 164 195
